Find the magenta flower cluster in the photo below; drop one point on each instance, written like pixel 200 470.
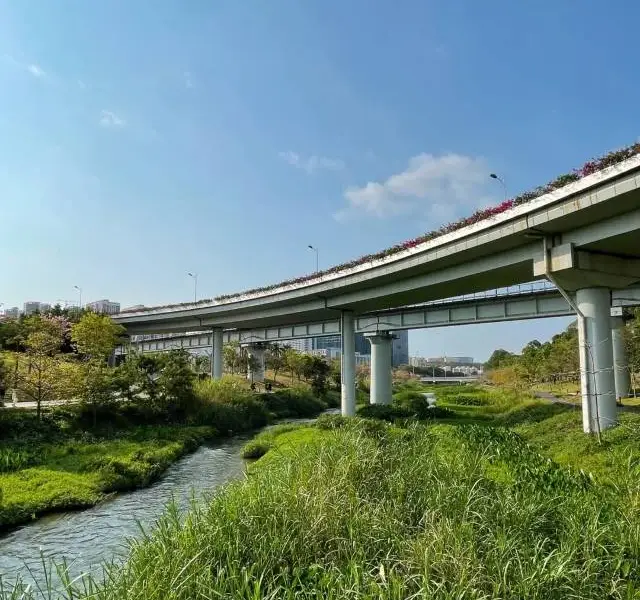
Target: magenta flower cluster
pixel 588 168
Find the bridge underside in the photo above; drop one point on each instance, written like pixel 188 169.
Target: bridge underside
pixel 585 239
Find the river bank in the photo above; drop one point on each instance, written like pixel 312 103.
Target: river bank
pixel 50 466
pixel 86 539
pixel 469 506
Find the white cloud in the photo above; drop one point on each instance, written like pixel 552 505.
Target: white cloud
pixel 35 70
pixel 437 187
pixel 312 163
pixel 188 79
pixel 110 119
pixel 31 68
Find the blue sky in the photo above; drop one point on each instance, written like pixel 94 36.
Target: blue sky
pixel 140 140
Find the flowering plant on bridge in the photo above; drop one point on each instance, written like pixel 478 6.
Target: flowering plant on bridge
pixel 590 167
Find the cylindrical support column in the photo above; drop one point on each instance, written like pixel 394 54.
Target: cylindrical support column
pixel 216 354
pixel 255 368
pixel 620 363
pixel 599 409
pixel 381 380
pixel 348 365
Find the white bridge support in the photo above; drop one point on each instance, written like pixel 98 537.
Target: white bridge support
pixel 216 353
pixel 381 376
pixel 255 368
pixel 597 377
pixel 348 367
pixel 620 363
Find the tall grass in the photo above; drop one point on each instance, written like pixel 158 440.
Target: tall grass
pixel 363 512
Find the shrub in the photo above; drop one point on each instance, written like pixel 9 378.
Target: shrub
pixel 332 399
pixel 255 449
pixel 331 421
pixel 469 400
pixel 293 402
pixel 386 412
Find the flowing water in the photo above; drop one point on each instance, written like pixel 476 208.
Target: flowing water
pixel 88 538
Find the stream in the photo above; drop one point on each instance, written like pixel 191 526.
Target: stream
pixel 88 538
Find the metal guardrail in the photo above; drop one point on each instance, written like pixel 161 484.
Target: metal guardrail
pixel 513 290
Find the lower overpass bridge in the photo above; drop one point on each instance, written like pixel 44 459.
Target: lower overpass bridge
pixel 580 232
pixel 531 301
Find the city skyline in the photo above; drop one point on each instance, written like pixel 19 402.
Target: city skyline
pixel 32 306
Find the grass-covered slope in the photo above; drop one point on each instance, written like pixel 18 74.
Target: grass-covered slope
pixel 375 511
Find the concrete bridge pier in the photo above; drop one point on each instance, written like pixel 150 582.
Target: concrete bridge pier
pixel 348 365
pixel 597 376
pixel 216 353
pixel 255 368
pixel 620 362
pixel 381 379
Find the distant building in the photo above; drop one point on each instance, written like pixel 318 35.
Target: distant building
pixel 301 345
pixel 334 353
pixel 326 342
pixel 451 360
pixel 399 346
pixel 12 313
pixel 33 307
pixel 105 307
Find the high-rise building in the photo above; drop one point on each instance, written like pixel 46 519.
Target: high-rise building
pixel 12 313
pixel 104 307
pixel 399 346
pixel 326 342
pixel 301 345
pixel 31 307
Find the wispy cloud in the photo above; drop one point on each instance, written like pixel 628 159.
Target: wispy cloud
pixel 188 79
pixel 110 119
pixel 32 68
pixel 312 163
pixel 36 71
pixel 436 187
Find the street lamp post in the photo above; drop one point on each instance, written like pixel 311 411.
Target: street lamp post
pixel 80 293
pixel 316 251
pixel 194 276
pixel 498 178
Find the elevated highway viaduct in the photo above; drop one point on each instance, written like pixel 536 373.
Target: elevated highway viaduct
pixel 584 238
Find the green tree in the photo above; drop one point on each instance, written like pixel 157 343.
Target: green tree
pixel 275 359
pixel 12 335
pixel 96 337
pixel 317 370
pixel 175 383
pixel 235 357
pixel 38 375
pixel 499 358
pixel 294 361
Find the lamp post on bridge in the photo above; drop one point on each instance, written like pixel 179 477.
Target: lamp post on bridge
pixel 316 251
pixel 194 276
pixel 504 185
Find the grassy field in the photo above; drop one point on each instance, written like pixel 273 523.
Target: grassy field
pixel 78 473
pixel 499 497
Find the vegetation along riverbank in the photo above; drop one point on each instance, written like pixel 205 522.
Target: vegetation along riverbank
pixel 493 498
pixel 118 428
